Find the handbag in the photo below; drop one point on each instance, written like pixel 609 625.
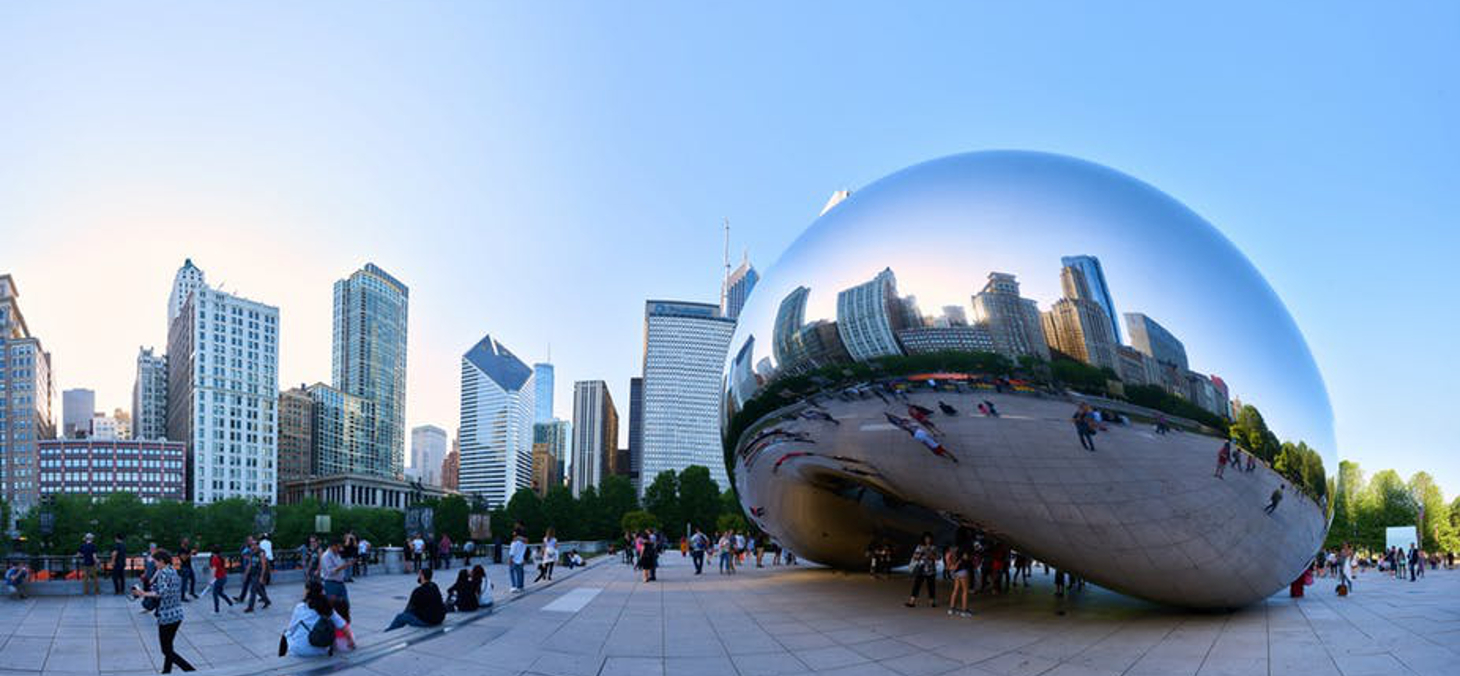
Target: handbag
pixel 150 603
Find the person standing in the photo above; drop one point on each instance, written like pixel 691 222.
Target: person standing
pixel 1084 426
pixel 418 551
pixel 362 556
pixel 167 589
pixel 443 552
pixel 119 564
pixel 726 545
pixel 1223 455
pixel 185 570
pixel 220 578
pixel 266 548
pixel 253 578
pixel 924 568
pixel 87 553
pixel 697 544
pixel 245 565
pixel 516 559
pixel 309 559
pixel 549 556
pixel 332 568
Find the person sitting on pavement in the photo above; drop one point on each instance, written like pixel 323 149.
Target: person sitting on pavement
pixel 304 636
pixel 425 607
pixel 463 597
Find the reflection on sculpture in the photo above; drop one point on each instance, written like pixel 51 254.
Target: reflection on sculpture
pixel 1019 409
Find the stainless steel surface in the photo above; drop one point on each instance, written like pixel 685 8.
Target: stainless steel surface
pixel 857 371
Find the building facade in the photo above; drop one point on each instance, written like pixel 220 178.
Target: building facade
pixel 153 470
pixel 636 430
pixel 557 435
pixel 27 393
pixel 1097 289
pixel 868 317
pixel 428 451
pixel 149 396
pixel 1013 321
pixel 344 426
pixel 595 434
pixel 451 466
pixel 684 356
pixel 361 490
pixel 542 375
pixel 963 338
pixel 296 435
pixel 187 280
pixel 1080 329
pixel 1155 341
pixel 223 394
pixel 737 289
pixel 497 407
pixel 369 359
pixel 77 407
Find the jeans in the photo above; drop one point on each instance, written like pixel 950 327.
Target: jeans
pixel 219 583
pixel 727 564
pixel 518 576
pixel 189 581
pixel 119 579
pixel 407 618
pixel 336 590
pixel 165 635
pixel 544 572
pixel 699 559
pixel 254 588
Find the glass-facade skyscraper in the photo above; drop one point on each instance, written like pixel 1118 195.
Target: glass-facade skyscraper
pixel 1099 288
pixel 496 423
pixel 684 356
pixel 369 359
pixel 738 287
pixel 542 373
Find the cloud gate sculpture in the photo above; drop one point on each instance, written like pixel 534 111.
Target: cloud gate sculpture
pixel 1032 352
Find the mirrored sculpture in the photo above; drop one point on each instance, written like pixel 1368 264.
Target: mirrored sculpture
pixel 1033 352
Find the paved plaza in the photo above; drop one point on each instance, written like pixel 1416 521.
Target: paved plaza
pixel 602 621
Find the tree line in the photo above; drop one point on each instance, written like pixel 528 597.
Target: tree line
pixel 1364 506
pixel 672 499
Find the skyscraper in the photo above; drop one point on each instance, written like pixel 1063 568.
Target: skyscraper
pixel 428 451
pixel 684 355
pixel 595 434
pixel 1155 341
pixel 187 280
pixel 1098 289
pixel 296 435
pixel 369 358
pixel 451 466
pixel 868 317
pixel 636 429
pixel 77 407
pixel 1078 326
pixel 556 438
pixel 149 396
pixel 738 287
pixel 497 408
pixel 26 396
pixel 1013 321
pixel 542 374
pixel 223 394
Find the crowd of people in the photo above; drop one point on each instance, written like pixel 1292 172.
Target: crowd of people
pixel 972 565
pixel 730 548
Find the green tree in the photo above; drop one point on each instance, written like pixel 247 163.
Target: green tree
pixel 1434 526
pixel 590 511
pixel 638 520
pixel 560 512
pixel 734 522
pixel 526 507
pixel 1250 431
pixel 699 496
pixel 1346 504
pixel 616 498
pixel 662 499
pixel 452 517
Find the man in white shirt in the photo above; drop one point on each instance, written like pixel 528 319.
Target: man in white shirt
pixel 364 556
pixel 267 547
pixel 418 551
pixel 517 557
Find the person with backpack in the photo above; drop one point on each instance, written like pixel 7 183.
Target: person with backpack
pixel 425 607
pixel 312 625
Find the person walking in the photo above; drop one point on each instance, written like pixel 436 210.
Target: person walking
pixel 350 551
pixel 425 607
pixel 332 569
pixel 1223 455
pixel 167 589
pixel 516 559
pixel 962 574
pixel 253 578
pixel 220 578
pixel 266 550
pixel 697 544
pixel 87 554
pixel 1084 426
pixel 549 556
pixel 119 564
pixel 924 567
pixel 362 556
pixel 1277 496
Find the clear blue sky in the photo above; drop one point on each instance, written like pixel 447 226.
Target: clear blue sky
pixel 536 170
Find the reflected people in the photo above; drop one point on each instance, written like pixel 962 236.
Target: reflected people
pixel 916 360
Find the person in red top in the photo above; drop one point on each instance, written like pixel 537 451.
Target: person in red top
pixel 220 578
pixel 1222 457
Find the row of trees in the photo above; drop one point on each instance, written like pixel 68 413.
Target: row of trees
pixel 1365 506
pixel 671 500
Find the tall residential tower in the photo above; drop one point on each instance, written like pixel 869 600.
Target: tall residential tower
pixel 369 359
pixel 684 355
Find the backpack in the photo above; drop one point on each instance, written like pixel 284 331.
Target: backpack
pixel 322 634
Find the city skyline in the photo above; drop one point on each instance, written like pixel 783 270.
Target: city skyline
pixel 266 166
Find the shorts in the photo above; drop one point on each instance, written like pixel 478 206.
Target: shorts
pixel 960 575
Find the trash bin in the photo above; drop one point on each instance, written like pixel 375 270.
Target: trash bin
pixel 394 560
